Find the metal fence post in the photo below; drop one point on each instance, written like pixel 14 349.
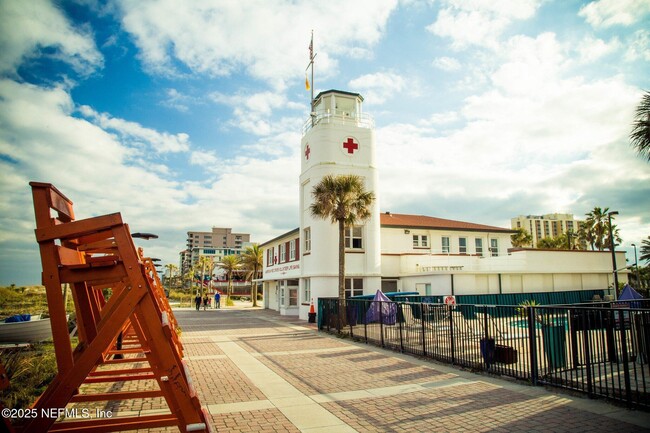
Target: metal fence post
pixel 626 367
pixel 381 322
pixel 397 317
pixel 532 334
pixel 451 334
pixel 424 343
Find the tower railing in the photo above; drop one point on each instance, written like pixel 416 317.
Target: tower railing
pixel 361 120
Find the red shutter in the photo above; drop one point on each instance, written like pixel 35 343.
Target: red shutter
pixel 287 257
pixel 297 241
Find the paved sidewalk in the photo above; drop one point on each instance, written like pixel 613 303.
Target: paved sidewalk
pixel 257 371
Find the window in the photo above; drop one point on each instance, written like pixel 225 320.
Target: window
pixel 478 242
pixel 353 237
pixel 353 287
pixel 306 289
pixel 283 253
pixel 420 241
pixel 292 250
pixel 494 246
pixel 307 239
pixel 445 244
pixel 269 256
pixel 293 296
pixel 462 245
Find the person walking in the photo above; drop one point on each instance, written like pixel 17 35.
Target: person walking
pixel 197 301
pixel 205 302
pixel 217 299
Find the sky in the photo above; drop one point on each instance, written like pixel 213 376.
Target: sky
pixel 188 115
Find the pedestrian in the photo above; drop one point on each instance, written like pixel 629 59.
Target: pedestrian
pixel 205 302
pixel 217 300
pixel 197 301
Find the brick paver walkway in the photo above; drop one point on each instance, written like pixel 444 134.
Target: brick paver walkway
pixel 256 371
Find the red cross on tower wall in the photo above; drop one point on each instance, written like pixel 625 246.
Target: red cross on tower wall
pixel 307 152
pixel 350 145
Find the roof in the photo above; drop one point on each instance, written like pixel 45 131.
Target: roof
pixel 290 232
pixel 337 91
pixel 389 219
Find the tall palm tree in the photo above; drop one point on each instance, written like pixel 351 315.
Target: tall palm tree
pixel 595 230
pixel 521 239
pixel 640 135
pixel 171 268
pixel 645 250
pixel 230 265
pixel 191 276
pixel 252 261
pixel 205 263
pixel 344 201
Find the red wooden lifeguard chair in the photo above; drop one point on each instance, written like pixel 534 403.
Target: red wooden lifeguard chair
pixel 92 255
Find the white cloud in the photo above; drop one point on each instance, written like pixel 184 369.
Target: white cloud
pixel 607 13
pixel 591 49
pixel 176 100
pixel 378 87
pixel 638 46
pixel 252 112
pixel 137 135
pixel 448 64
pixel 44 141
pixel 28 26
pixel 479 22
pixel 219 38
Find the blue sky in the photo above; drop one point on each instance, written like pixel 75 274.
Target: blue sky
pixel 188 115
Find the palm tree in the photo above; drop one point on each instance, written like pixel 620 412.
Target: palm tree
pixel 230 265
pixel 595 230
pixel 191 276
pixel 556 243
pixel 171 268
pixel 344 201
pixel 645 250
pixel 640 135
pixel 252 261
pixel 205 263
pixel 521 239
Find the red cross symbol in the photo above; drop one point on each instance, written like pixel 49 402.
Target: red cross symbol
pixel 307 152
pixel 350 145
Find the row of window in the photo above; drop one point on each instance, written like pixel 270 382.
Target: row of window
pixel 354 240
pixel 291 246
pixel 353 287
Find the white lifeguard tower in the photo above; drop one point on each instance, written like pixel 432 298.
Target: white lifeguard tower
pixel 338 139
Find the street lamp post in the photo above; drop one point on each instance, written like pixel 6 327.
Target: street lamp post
pixel 636 265
pixel 612 248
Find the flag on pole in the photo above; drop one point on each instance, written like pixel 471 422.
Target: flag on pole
pixel 307 86
pixel 311 46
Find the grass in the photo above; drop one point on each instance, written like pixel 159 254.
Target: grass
pixel 32 368
pixel 26 300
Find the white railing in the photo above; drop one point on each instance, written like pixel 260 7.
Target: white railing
pixel 362 120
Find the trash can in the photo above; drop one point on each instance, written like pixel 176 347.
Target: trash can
pixel 487 350
pixel 554 338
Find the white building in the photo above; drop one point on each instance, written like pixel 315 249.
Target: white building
pixel 549 225
pixel 397 252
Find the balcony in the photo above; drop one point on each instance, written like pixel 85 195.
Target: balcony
pixel 362 120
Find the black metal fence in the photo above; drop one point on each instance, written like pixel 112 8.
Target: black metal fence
pixel 602 350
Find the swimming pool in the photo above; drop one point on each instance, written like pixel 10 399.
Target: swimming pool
pixel 557 321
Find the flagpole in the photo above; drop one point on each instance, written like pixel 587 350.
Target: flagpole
pixel 312 56
pixel 311 60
